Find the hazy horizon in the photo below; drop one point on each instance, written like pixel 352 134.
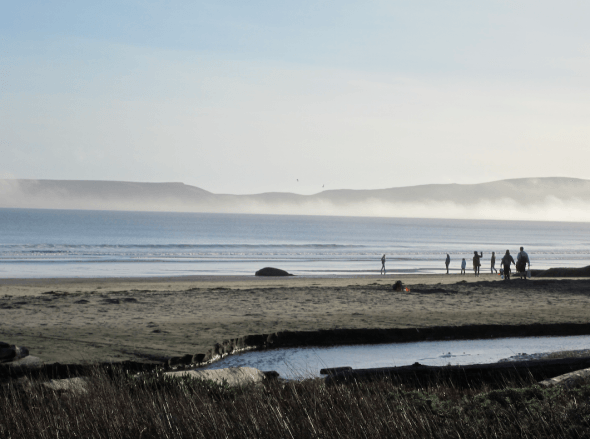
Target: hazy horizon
pixel 541 199
pixel 204 188
pixel 277 97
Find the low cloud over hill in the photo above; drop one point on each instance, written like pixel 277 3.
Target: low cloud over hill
pixel 550 199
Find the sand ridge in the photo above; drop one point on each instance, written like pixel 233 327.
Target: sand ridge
pixel 80 320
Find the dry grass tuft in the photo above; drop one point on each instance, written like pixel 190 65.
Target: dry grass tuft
pixel 117 405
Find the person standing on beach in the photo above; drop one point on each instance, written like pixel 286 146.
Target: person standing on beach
pixel 383 264
pixel 494 262
pixel 447 262
pixel 521 261
pixel 477 262
pixel 463 266
pixel 506 261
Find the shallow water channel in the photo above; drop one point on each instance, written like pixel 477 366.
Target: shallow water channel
pixel 307 362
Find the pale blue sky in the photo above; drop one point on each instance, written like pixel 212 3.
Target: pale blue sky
pixel 244 97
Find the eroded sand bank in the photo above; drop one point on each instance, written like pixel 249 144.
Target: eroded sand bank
pixel 79 320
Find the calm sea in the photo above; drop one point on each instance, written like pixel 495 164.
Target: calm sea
pixel 64 243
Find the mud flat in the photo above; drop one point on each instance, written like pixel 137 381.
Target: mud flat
pixel 98 320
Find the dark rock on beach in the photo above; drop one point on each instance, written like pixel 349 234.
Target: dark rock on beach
pixel 7 354
pixel 185 359
pixel 270 271
pixel 10 352
pixel 198 358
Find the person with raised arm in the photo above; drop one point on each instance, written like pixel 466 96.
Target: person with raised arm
pixel 477 262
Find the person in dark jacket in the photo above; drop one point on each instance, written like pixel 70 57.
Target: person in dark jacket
pixel 506 261
pixel 477 262
pixel 447 262
pixel 521 262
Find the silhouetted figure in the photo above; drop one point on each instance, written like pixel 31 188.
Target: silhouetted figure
pixel 476 262
pixel 383 264
pixel 463 266
pixel 494 262
pixel 447 262
pixel 522 259
pixel 506 261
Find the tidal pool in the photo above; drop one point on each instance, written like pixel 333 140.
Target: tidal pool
pixel 307 362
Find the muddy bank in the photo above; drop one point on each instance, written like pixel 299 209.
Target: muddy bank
pixel 54 371
pixel 435 333
pixel 496 375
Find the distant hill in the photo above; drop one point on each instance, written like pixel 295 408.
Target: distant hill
pixel 555 198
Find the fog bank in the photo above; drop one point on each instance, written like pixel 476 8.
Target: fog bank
pixel 538 199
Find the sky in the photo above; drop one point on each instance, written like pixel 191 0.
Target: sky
pixel 264 96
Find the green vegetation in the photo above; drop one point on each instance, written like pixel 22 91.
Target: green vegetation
pixel 118 405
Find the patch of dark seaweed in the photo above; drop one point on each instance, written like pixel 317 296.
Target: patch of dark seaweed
pixel 433 291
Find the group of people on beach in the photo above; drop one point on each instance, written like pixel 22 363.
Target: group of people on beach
pixel 522 260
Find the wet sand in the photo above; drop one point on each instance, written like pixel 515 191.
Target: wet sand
pixel 88 320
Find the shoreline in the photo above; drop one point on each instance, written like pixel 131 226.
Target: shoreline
pixel 25 286
pixel 249 281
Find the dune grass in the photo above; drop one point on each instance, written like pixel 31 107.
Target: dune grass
pixel 115 404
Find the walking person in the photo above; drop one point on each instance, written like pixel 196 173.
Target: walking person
pixel 477 262
pixel 447 262
pixel 506 261
pixel 463 266
pixel 494 262
pixel 522 259
pixel 383 264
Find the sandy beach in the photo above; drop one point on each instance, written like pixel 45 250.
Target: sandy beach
pixel 88 320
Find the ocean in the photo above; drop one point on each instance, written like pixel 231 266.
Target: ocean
pixel 38 243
